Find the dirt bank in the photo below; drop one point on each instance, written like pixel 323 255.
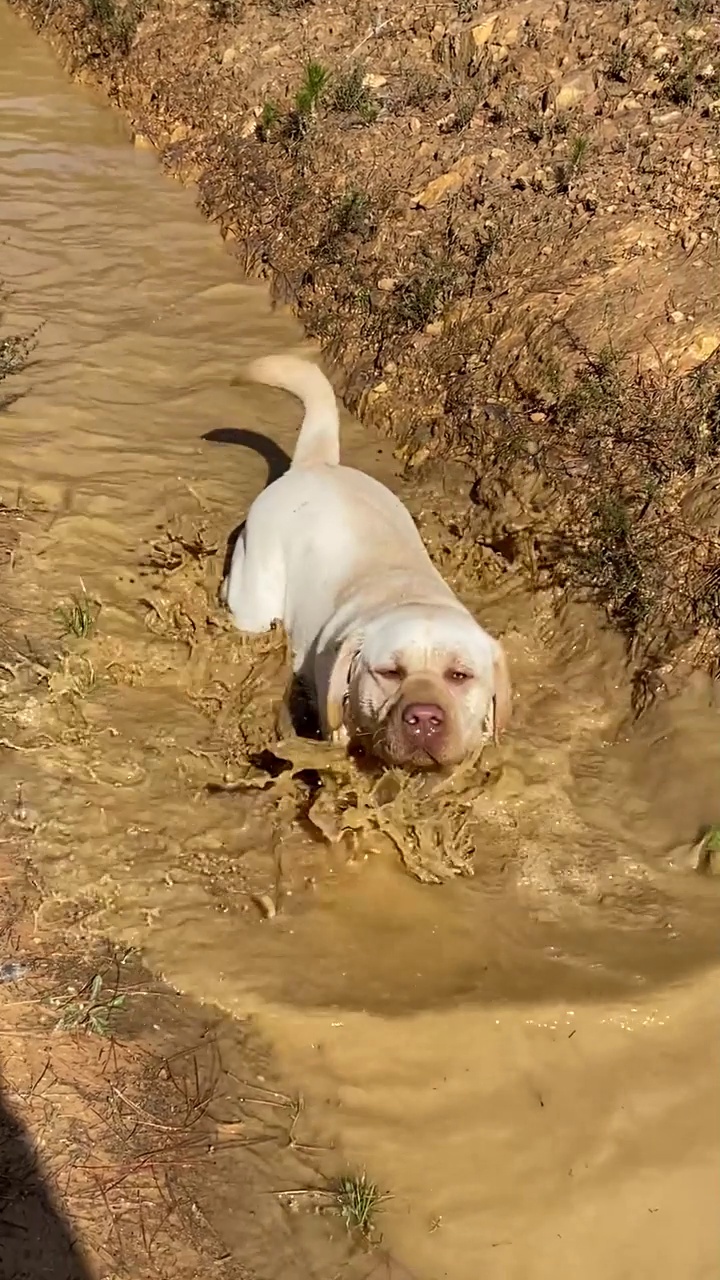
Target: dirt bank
pixel 503 229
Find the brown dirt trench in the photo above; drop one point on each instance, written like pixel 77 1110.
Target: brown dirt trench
pixel 500 1005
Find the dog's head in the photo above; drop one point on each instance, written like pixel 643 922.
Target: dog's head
pixel 421 687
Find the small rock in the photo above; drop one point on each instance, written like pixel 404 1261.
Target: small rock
pixel 421 455
pixel 446 185
pixel 415 125
pixel 483 34
pixel 373 81
pixel 573 89
pixel 688 240
pixel 265 905
pixel 380 389
pixel 143 143
pixel 229 57
pixel 704 346
pixel 676 317
pixel 511 33
pixel 696 33
pixel 386 284
pixel 522 177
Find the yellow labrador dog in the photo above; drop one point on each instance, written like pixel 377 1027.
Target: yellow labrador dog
pixel 395 661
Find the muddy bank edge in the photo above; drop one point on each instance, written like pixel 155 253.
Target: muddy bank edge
pixel 503 230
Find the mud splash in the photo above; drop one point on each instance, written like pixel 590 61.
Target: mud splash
pixel 540 1028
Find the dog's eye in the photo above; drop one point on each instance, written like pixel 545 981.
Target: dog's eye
pixel 390 673
pixel 457 677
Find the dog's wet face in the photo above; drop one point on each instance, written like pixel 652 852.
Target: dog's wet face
pixel 423 691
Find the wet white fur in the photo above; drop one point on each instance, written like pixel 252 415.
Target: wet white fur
pixel 335 556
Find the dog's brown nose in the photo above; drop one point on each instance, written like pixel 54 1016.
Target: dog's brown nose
pixel 423 719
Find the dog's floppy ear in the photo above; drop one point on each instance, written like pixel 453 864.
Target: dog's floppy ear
pixel 502 696
pixel 339 682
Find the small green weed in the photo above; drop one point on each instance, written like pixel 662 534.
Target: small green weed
pixel 712 840
pixel 680 82
pixel 420 89
pixel 680 86
pixel 118 22
pixel 295 125
pixel 78 616
pixel 465 107
pixel 691 8
pixel 565 172
pixel 363 302
pixel 612 563
pixel 706 852
pixel 419 299
pixel 94 1014
pixel 619 64
pixel 358 1202
pixel 15 353
pixel 312 89
pixel 269 118
pixel 540 127
pixel 230 11
pixel 287 6
pixel 102 11
pixel 351 95
pixel 351 213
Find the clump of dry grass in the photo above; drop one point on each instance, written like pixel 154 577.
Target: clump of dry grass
pixel 91 1009
pixel 78 616
pixel 358 1201
pixel 15 352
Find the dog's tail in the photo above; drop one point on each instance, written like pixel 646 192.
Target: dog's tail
pixel 319 440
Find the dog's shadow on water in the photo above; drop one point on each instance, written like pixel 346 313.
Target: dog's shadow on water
pixel 303 714
pixel 276 460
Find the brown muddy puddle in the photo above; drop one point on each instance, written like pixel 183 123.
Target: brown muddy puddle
pixel 523 1058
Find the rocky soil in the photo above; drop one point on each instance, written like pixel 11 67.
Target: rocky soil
pixel 502 225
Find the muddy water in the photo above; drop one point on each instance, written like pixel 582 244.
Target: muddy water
pixel 524 1060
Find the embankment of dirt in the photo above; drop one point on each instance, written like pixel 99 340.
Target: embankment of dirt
pixel 502 226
